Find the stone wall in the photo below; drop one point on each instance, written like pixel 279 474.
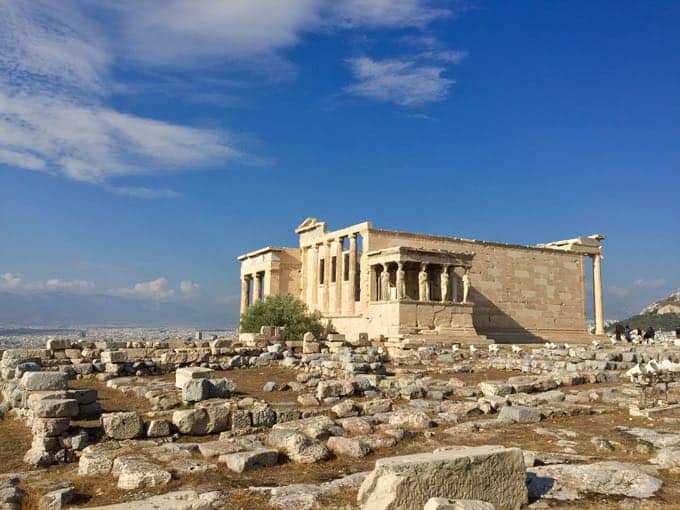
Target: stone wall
pixel 518 292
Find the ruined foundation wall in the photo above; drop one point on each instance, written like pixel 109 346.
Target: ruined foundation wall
pixel 518 292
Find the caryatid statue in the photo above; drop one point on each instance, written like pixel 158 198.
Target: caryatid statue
pixel 401 281
pixel 385 283
pixel 423 284
pixel 466 285
pixel 444 282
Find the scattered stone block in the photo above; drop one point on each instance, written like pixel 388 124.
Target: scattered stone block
pixel 297 446
pixel 457 504
pixel 49 427
pixel 56 408
pixel 55 500
pixel 247 461
pixel 44 381
pixel 187 373
pixel 240 419
pixel 158 428
pixel 195 390
pixel 57 344
pixel 519 414
pixel 489 473
pixel 221 388
pixel 202 421
pixel 125 425
pixel 568 482
pixel 137 474
pixel 114 357
pixel 316 426
pixel 347 446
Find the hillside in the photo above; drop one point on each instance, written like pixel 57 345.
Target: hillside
pixel 662 315
pixel 667 305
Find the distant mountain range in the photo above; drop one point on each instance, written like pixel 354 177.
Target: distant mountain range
pixel 662 315
pixel 670 304
pixel 54 309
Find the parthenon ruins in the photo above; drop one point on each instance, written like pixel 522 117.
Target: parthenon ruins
pixel 369 283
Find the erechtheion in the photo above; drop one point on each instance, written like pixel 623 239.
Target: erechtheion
pixel 405 287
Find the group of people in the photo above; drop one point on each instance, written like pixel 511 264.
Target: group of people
pixel 621 332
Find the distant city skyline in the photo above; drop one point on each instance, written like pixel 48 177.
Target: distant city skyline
pixel 142 150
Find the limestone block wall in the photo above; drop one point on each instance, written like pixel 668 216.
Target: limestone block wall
pixel 517 291
pixel 288 276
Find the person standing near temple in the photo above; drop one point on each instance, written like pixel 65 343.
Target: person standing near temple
pixel 618 331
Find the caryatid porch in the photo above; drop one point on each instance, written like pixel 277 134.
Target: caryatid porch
pixel 415 291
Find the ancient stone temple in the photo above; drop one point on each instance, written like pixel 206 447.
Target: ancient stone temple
pixel 370 283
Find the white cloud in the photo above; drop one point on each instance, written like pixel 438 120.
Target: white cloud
pixel 16 282
pixel 187 33
pixel 159 290
pixel 643 283
pixel 22 160
pixel 385 13
pixel 406 82
pixel 59 284
pixel 57 60
pixel 154 290
pixel 94 144
pixel 54 71
pixel 189 288
pixel 52 46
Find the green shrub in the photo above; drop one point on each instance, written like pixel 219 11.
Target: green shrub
pixel 659 321
pixel 282 310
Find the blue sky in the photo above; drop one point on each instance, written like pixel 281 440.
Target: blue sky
pixel 142 150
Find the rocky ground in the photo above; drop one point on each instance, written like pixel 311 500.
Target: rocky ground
pixel 272 428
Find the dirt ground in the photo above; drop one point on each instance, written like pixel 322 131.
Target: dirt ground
pixel 547 436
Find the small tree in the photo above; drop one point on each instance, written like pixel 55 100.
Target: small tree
pixel 282 310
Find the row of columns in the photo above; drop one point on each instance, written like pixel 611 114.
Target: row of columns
pixel 318 294
pixel 424 291
pixel 598 307
pixel 258 280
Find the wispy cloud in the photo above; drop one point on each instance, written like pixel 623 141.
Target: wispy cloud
pixel 94 144
pixel 641 284
pixel 159 290
pixel 189 289
pixel 53 83
pixel 16 282
pixel 406 82
pixel 153 290
pixel 58 61
pixel 385 13
pixel 186 33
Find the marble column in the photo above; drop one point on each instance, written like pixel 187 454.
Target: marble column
pixel 338 275
pixel 401 281
pixel 352 271
pixel 257 287
pixel 385 283
pixel 423 284
pixel 244 293
pixel 327 278
pixel 597 294
pixel 466 284
pixel 454 286
pixel 373 287
pixel 444 283
pixel 312 276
